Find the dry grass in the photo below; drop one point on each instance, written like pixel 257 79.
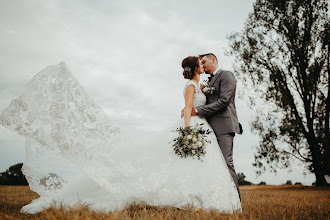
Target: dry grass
pixel 259 202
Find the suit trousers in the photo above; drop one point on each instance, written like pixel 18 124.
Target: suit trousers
pixel 225 142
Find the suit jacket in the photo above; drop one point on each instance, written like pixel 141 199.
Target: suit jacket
pixel 220 110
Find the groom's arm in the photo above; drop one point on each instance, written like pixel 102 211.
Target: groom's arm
pixel 227 90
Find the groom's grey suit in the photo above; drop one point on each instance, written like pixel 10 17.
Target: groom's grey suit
pixel 220 112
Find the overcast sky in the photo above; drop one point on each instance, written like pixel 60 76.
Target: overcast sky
pixel 127 55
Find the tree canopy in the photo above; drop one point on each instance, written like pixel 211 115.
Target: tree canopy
pixel 283 53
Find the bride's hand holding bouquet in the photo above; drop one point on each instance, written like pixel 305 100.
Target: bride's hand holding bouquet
pixel 191 141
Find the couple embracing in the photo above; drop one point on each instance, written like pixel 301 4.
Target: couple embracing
pixel 219 108
pixel 73 155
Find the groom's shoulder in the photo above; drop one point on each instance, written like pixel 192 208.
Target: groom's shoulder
pixel 227 73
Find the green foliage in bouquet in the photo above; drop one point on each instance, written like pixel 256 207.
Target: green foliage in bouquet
pixel 191 141
pixel 208 89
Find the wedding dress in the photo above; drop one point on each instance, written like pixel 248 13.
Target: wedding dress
pixel 74 154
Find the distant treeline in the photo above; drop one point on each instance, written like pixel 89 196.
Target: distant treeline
pixel 13 176
pixel 243 182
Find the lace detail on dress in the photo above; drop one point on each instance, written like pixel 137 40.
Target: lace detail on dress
pixel 199 97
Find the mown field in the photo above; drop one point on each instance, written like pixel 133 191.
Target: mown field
pixel 258 202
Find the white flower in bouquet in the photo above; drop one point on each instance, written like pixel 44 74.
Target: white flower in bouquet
pixel 208 89
pixel 191 141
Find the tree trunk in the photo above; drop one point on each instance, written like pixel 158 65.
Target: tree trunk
pixel 320 178
pixel 316 160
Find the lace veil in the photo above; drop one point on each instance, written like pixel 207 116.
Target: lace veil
pixel 52 156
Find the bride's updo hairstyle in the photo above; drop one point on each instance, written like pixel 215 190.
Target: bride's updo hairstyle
pixel 189 65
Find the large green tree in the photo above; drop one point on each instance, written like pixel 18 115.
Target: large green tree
pixel 283 54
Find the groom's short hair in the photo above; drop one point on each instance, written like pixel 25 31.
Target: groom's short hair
pixel 208 55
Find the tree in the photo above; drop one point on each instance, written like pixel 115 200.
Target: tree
pixel 262 183
pixel 241 179
pixel 289 182
pixel 283 53
pixel 13 176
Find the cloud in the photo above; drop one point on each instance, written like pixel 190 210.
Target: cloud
pixel 126 54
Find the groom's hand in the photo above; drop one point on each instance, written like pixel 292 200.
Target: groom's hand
pixel 193 111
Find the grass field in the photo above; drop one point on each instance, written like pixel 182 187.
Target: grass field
pixel 258 202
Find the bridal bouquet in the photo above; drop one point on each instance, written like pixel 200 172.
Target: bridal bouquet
pixel 191 141
pixel 207 89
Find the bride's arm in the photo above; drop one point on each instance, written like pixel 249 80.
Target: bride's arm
pixel 188 98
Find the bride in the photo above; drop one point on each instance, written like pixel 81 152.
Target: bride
pixel 75 154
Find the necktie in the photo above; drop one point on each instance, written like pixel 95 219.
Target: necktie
pixel 210 77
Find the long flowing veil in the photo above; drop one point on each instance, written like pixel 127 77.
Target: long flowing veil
pixel 63 128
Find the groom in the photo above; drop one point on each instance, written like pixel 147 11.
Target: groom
pixel 220 110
